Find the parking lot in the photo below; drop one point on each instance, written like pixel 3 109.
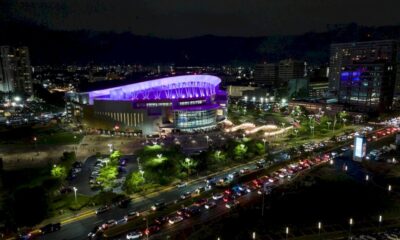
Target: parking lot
pixel 82 179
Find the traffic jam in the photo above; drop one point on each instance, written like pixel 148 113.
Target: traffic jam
pixel 227 198
pixel 227 194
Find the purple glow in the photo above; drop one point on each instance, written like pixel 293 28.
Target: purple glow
pixel 202 86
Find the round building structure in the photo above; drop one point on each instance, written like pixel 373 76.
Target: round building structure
pixel 185 103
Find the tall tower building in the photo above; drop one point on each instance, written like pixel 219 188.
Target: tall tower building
pixel 15 70
pixel 344 54
pixel 6 69
pixel 290 69
pixel 266 74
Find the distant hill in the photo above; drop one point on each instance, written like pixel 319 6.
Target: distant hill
pixel 58 47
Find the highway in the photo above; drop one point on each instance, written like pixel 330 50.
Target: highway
pixel 74 229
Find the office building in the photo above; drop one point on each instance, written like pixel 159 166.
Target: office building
pixel 298 88
pixel 266 74
pixel 237 91
pixel 344 54
pixel 184 103
pixel 366 87
pixel 290 69
pixel 15 70
pixel 318 89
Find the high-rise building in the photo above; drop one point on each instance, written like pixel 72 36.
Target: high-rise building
pixel 290 69
pixel 6 69
pixel 266 74
pixel 366 87
pixel 344 54
pixel 15 70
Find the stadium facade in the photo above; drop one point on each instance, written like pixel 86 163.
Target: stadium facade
pixel 185 103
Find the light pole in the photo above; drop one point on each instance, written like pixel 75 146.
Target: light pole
pixel 142 173
pixel 110 147
pixel 287 232
pixel 187 160
pixel 254 235
pixel 366 178
pixel 264 140
pixel 379 221
pixel 350 224
pixel 75 190
pixel 207 137
pixel 312 130
pixel 389 188
pixel 319 230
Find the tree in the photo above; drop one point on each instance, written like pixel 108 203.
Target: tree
pixel 115 156
pixel 259 148
pixel 107 176
pixel 219 156
pixel 188 164
pixel 133 181
pixel 68 157
pixel 59 172
pixel 30 206
pixel 239 151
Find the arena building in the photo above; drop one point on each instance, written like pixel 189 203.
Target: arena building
pixel 183 103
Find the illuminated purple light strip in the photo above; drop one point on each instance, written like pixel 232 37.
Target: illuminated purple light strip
pixel 180 87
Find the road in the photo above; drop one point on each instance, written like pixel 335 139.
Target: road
pixel 80 229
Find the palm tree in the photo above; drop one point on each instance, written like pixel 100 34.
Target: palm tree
pixel 188 164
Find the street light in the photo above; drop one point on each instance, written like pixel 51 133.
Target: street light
pixel 389 188
pixel 75 190
pixel 350 224
pixel 254 235
pixel 319 229
pixel 287 232
pixel 142 173
pixel 366 177
pixel 380 221
pixel 264 140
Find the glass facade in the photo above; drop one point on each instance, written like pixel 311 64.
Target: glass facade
pixel 365 87
pixel 195 120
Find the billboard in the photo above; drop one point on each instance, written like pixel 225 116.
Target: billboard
pixel 359 148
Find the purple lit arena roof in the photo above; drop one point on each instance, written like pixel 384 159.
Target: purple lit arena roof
pixel 180 87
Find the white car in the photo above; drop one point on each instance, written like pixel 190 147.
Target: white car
pixel 175 219
pixel 134 235
pixel 218 196
pixel 182 184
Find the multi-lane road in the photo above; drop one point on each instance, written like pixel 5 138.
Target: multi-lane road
pixel 79 229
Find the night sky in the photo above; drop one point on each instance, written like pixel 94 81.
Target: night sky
pixel 187 18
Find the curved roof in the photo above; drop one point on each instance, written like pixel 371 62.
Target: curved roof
pixel 188 86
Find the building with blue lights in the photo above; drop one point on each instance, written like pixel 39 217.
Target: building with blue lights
pixel 366 87
pixel 182 103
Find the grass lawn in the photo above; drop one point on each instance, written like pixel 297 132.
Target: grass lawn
pixel 59 138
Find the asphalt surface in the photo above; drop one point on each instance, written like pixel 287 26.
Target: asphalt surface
pixel 80 229
pixel 81 182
